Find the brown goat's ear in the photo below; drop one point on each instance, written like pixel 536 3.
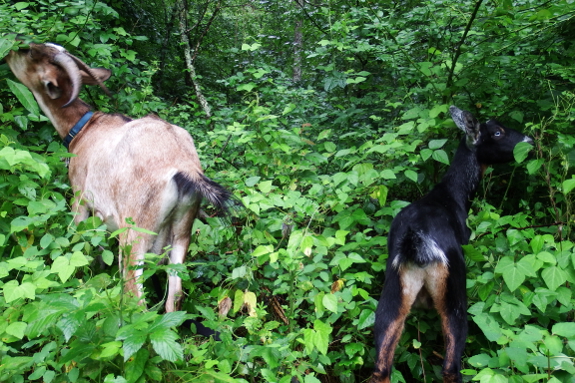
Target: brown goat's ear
pixel 100 73
pixel 52 90
pixel 51 86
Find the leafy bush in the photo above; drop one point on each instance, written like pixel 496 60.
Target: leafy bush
pixel 322 166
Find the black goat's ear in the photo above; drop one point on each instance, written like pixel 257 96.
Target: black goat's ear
pixel 466 122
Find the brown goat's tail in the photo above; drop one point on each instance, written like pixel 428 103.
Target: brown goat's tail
pixel 215 193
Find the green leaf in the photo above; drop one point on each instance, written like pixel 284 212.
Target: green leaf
pixel 437 109
pixel 521 151
pixel 440 156
pixel 251 48
pixel 28 290
pixel 311 379
pixel 547 257
pixel 425 154
pixel 321 336
pixel 133 341
pixel 154 373
pixel 247 87
pixel 268 375
pixel 489 326
pixel 553 277
pixel 111 349
pixel 329 301
pixel 566 329
pixel 78 352
pixel 308 340
pixel 345 263
pixel 519 356
pixel 46 240
pixel 436 144
pixel 78 259
pixel 568 185
pixel 164 343
pixel 24 96
pixel 168 320
pixel 366 319
pixel 537 243
pixel 21 5
pixel 16 329
pixel 38 373
pixel 135 366
pixel 405 128
pixel 48 376
pixel 509 312
pixel 410 174
pixel 517 116
pixel 107 257
pixel 472 253
pixel 61 266
pixel 110 378
pixel 5 44
pixel 513 278
pixel 534 165
pixel 11 291
pixel 70 323
pixel 288 109
pixel 554 344
pixel 388 174
pixel 481 360
pixel 265 186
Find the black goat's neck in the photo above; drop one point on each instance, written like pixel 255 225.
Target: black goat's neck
pixel 463 176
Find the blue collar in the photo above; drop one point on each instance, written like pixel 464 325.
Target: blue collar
pixel 77 128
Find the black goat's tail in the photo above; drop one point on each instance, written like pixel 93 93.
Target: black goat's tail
pixel 221 198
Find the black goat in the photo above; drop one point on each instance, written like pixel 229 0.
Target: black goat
pixel 425 255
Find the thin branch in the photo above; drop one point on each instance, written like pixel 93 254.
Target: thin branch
pixel 206 29
pixel 199 19
pixel 458 50
pixel 407 56
pixel 311 19
pixel 548 26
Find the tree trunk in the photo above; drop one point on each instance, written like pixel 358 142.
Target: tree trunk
pixel 298 47
pixel 190 60
pixel 298 44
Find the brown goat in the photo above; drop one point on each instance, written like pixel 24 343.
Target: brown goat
pixel 146 169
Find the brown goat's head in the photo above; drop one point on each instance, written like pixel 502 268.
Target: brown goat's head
pixel 49 71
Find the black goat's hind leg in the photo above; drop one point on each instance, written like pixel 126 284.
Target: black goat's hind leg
pixel 399 293
pixel 446 286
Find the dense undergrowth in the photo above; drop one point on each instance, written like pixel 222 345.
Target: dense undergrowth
pixel 322 166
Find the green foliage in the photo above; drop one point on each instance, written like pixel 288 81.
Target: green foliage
pixel 322 165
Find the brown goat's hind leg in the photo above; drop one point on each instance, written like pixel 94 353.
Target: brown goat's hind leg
pixel 132 249
pixel 181 240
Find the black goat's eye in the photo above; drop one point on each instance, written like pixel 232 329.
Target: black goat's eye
pixel 497 134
